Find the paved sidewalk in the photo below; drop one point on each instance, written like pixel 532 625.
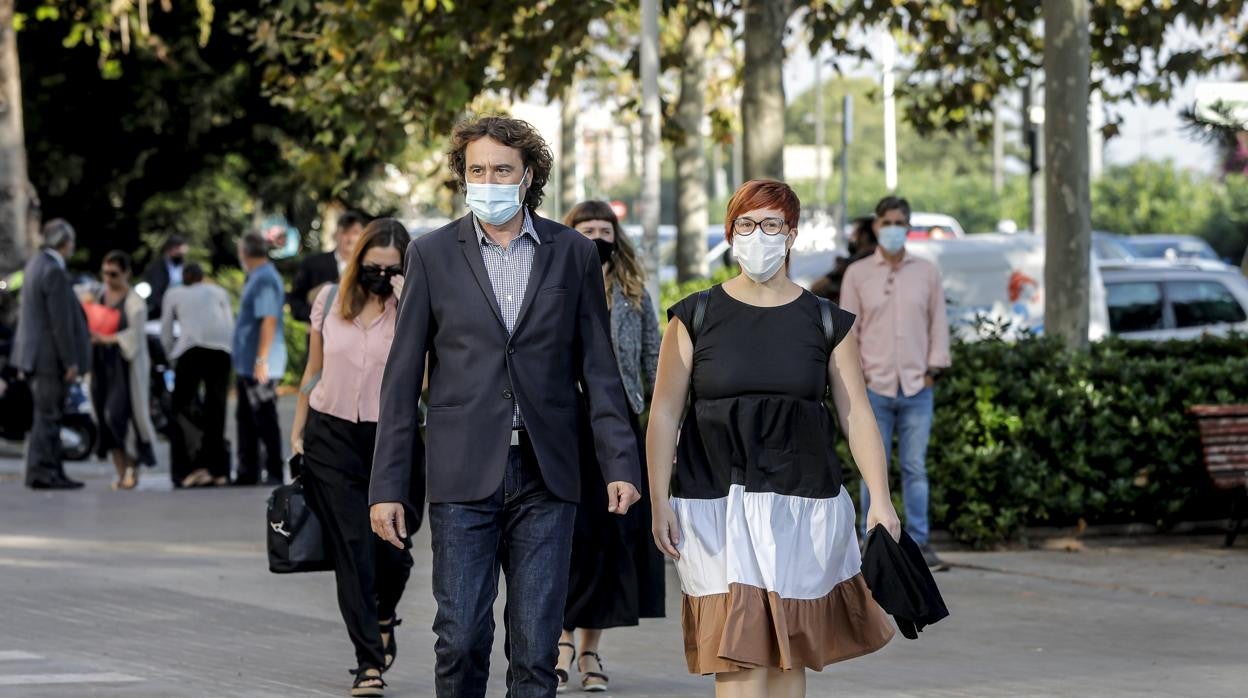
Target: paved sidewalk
pixel 161 593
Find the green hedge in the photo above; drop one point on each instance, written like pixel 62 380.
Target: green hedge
pixel 1027 433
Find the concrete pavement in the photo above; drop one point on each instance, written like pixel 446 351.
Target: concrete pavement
pixel 163 593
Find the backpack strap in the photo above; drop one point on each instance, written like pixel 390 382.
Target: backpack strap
pixel 699 314
pixel 329 308
pixel 829 329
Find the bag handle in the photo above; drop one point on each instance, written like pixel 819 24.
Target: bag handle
pixel 329 308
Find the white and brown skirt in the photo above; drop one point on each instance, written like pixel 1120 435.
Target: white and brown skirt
pixel 771 580
pixel 769 559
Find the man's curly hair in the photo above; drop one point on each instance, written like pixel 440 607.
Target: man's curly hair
pixel 510 132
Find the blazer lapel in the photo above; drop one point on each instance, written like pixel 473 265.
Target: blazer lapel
pixel 542 257
pixel 471 247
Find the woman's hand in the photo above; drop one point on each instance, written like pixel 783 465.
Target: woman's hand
pixel 296 444
pixel 666 530
pixel 882 512
pixel 397 282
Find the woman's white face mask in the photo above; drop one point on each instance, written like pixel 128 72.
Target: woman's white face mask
pixel 760 255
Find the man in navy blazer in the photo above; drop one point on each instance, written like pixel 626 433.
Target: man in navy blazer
pixel 508 312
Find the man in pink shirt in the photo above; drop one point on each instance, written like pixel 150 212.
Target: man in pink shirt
pixel 903 334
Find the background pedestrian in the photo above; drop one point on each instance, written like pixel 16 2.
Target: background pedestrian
pixel 617 575
pixel 52 349
pixel 335 429
pixel 319 270
pixel 121 379
pixel 905 345
pixel 201 352
pixel 259 352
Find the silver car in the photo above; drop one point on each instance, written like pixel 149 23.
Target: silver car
pixel 1148 302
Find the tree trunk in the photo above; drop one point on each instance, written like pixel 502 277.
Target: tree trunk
pixel 690 154
pixel 1068 206
pixel 762 99
pixel 568 194
pixel 14 186
pixel 651 147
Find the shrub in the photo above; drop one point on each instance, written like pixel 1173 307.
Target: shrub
pixel 1027 433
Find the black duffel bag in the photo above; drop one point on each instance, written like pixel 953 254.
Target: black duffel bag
pixel 296 542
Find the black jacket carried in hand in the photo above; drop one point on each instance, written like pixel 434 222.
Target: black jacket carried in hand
pixel 901 582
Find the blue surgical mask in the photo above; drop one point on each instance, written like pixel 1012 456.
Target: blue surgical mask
pixel 494 203
pixel 893 238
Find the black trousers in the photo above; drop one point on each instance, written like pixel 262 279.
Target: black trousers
pixel 257 424
pixel 371 573
pixel 43 445
pixel 197 436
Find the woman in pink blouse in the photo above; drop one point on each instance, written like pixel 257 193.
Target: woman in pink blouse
pixel 334 430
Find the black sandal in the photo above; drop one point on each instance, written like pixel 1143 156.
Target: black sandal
pixel 587 676
pixel 561 674
pixel 378 687
pixel 389 649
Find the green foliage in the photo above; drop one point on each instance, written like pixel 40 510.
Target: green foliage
pixel 1027 434
pixel 672 292
pixel 964 54
pixel 1153 197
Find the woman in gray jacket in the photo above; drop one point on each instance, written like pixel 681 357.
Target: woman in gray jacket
pixel 617 572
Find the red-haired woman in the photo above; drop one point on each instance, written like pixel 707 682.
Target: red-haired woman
pixel 757 520
pixel 335 429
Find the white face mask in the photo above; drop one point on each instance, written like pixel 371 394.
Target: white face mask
pixel 893 237
pixel 494 203
pixel 760 255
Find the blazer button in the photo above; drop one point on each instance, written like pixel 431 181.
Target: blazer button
pixel 507 395
pixel 511 350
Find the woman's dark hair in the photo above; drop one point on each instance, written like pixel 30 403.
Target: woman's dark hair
pixel 119 259
pixel 625 269
pixel 382 232
pixel 192 273
pixel 514 133
pixel 864 235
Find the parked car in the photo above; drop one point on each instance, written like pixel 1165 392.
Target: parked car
pixel 1108 247
pixel 934 226
pixel 1183 249
pixel 1147 302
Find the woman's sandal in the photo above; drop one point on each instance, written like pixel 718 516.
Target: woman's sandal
pixel 366 684
pixel 593 681
pixel 389 648
pixel 562 674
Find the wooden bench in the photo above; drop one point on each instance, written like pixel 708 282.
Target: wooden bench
pixel 1224 441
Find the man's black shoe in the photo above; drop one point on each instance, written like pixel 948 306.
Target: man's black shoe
pixel 57 484
pixel 934 563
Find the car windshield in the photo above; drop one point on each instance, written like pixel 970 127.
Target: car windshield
pixel 1182 249
pixel 1109 248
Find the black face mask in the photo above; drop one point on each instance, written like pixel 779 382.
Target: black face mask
pixel 606 249
pixel 176 260
pixel 376 280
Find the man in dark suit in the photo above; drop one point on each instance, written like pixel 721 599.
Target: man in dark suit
pixel 511 310
pixel 165 273
pixel 319 269
pixel 52 349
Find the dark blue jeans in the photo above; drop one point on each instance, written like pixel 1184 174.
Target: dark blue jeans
pixel 911 418
pixel 527 532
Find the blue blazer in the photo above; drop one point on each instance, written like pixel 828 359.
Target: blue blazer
pixel 562 336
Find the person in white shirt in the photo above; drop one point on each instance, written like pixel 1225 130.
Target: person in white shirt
pixel 196 324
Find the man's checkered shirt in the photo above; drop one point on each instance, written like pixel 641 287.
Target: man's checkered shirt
pixel 509 276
